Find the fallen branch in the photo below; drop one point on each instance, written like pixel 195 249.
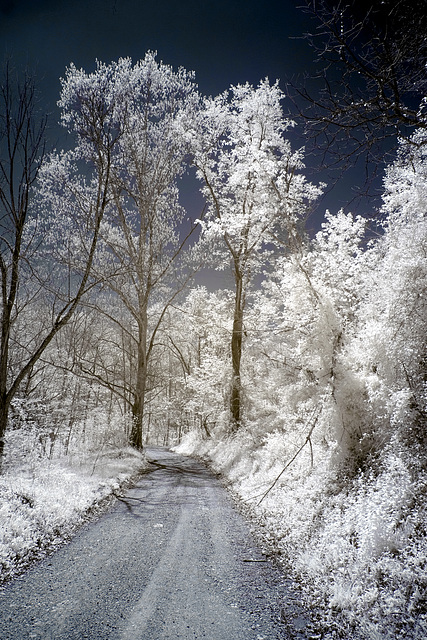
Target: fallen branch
pixel 288 464
pixel 250 560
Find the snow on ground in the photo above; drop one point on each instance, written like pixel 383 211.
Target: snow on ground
pixel 43 501
pixel 358 548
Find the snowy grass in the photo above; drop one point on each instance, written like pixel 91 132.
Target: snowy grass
pixel 43 501
pixel 356 545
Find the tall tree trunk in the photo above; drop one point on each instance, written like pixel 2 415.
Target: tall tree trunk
pixel 4 413
pixel 141 382
pixel 5 397
pixel 4 359
pixel 236 351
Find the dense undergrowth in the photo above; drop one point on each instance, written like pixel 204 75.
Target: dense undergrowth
pixel 330 455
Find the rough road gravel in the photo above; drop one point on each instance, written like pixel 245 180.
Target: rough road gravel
pixel 172 560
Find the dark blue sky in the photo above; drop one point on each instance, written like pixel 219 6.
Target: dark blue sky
pixel 224 42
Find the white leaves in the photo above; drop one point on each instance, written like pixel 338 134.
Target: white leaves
pixel 65 201
pixel 130 121
pixel 337 261
pixel 121 100
pixel 249 171
pixel 405 183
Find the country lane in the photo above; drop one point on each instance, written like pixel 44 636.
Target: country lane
pixel 173 559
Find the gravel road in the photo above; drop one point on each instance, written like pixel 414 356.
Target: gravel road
pixel 172 559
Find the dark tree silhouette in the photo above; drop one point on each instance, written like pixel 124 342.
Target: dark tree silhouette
pixel 22 154
pixel 370 79
pixel 22 145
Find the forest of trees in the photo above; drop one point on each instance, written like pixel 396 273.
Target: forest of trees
pixel 103 334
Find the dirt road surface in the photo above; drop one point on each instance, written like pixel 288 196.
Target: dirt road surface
pixel 173 559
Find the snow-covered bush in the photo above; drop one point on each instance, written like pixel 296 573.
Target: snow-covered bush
pixel 391 345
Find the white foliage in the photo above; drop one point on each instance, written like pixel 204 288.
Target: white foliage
pixel 250 174
pixel 391 347
pixel 302 321
pixel 332 452
pixel 207 323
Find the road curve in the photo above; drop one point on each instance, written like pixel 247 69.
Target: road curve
pixel 172 560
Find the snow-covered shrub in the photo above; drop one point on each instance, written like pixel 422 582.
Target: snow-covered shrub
pixel 390 349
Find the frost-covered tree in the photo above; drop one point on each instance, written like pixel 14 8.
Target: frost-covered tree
pixel 390 348
pixel 206 324
pixel 142 235
pixel 191 366
pixel 256 193
pixel 72 195
pixel 64 411
pixel 73 191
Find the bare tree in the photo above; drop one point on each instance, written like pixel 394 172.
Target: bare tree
pixel 21 162
pixel 370 78
pixel 22 146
